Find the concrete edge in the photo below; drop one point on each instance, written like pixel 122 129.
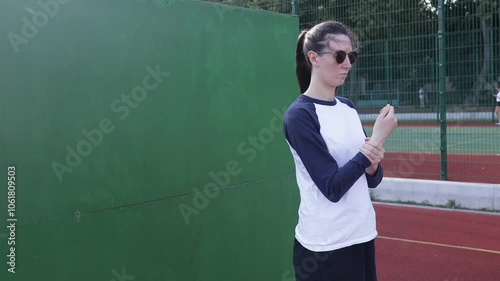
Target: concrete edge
pixel 472 211
pixel 476 196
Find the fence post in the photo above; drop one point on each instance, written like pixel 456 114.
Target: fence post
pixel 387 71
pixel 492 69
pixel 442 89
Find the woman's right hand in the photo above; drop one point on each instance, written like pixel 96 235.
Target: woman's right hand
pixel 374 152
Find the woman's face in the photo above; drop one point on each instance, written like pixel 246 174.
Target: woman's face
pixel 333 73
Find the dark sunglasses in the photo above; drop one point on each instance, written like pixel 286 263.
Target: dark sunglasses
pixel 341 55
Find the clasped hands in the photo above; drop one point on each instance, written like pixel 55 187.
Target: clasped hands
pixel 373 148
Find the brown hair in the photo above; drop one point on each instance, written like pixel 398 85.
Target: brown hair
pixel 316 39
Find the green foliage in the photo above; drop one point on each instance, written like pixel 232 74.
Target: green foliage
pixel 452 204
pixel 487 8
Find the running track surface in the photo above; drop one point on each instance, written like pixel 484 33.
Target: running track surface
pixel 461 167
pixel 424 244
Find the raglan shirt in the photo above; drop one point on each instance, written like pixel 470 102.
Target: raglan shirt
pixel 335 209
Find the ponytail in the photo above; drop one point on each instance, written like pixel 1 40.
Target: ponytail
pixel 302 66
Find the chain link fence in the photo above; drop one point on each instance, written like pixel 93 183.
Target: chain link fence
pixel 437 62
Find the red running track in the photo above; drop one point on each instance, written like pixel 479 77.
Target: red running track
pixel 461 167
pixel 424 244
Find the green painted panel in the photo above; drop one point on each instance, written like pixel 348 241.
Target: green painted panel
pixel 244 233
pixel 145 104
pixel 224 81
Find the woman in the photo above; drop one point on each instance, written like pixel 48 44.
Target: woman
pixel 335 162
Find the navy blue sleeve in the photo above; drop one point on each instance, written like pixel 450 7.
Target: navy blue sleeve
pixel 302 131
pixel 375 180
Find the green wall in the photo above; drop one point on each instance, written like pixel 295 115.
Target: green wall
pixel 127 203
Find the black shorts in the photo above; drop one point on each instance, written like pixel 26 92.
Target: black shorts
pixel 354 263
pixel 498 103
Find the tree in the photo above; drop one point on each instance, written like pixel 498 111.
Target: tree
pixel 463 18
pixel 485 11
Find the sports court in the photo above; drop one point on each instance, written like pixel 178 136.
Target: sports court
pixel 413 151
pixel 416 244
